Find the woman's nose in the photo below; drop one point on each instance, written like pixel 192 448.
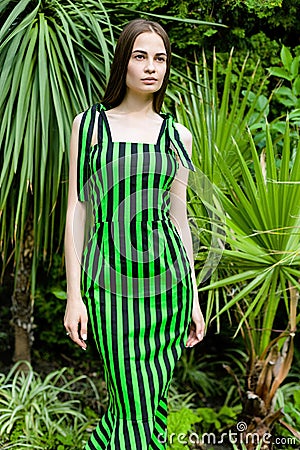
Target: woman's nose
pixel 150 66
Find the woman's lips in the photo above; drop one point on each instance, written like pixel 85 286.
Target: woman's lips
pixel 149 80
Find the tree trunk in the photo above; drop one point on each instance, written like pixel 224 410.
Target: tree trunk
pixel 258 416
pixel 22 301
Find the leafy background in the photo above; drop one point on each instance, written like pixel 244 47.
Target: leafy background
pixel 54 62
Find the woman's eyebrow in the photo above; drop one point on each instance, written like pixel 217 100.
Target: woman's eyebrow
pixel 145 53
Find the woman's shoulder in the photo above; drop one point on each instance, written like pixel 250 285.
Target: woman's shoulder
pixel 89 112
pixel 183 130
pixel 185 136
pixel 78 118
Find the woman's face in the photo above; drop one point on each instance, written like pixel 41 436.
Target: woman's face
pixel 147 64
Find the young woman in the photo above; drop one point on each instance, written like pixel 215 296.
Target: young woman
pixel 130 163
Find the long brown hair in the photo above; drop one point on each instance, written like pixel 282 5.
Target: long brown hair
pixel 116 87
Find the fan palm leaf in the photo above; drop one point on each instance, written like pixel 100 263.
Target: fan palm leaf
pixel 54 60
pixel 217 110
pixel 263 236
pixel 256 282
pixel 217 115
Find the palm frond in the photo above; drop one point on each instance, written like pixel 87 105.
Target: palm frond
pixel 52 66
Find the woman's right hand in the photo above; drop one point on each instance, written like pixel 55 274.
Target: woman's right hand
pixel 75 322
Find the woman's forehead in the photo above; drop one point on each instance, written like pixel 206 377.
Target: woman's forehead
pixel 149 41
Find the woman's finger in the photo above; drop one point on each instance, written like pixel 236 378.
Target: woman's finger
pixel 196 334
pixel 73 331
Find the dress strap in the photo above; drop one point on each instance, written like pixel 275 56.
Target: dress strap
pixel 178 144
pixel 84 142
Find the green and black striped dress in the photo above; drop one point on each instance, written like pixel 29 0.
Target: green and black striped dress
pixel 136 277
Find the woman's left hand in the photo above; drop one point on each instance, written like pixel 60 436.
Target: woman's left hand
pixel 197 327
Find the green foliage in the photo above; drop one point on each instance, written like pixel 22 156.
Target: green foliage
pixel 49 317
pixel 178 400
pixel 288 96
pixel 258 48
pixel 257 278
pixel 212 420
pixel 179 423
pixel 187 420
pixel 288 398
pixel 185 21
pixel 50 335
pixel 283 97
pixel 75 437
pixel 261 8
pixel 42 412
pixel 276 128
pixel 50 303
pixel 198 374
pixel 243 446
pixel 262 215
pixel 54 62
pixel 253 26
pixel 206 374
pixel 217 118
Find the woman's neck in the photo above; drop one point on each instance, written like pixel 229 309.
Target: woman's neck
pixel 132 104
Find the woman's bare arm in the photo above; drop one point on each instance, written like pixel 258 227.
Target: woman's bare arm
pixel 75 320
pixel 178 214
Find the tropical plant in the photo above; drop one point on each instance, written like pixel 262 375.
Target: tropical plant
pixel 257 280
pixel 54 62
pixel 216 110
pixel 197 373
pixel 262 266
pixel 289 96
pixel 188 424
pixel 288 400
pixel 75 436
pixel 217 117
pixel 243 446
pixel 33 410
pixel 286 98
pixel 177 399
pixel 261 9
pixel 179 425
pixel 219 419
pixel 200 372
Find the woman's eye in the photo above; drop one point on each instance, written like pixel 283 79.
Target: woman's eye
pixel 140 57
pixel 161 59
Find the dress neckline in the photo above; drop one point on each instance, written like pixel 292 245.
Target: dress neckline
pixel 107 126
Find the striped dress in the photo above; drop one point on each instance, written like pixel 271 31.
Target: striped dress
pixel 136 277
